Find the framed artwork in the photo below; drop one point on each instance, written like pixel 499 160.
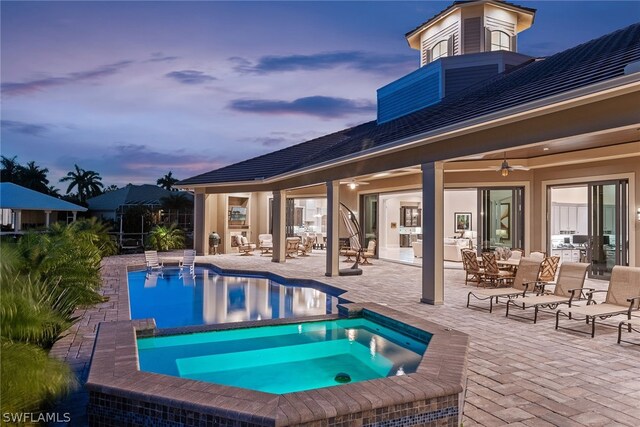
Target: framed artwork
pixel 505 221
pixel 462 221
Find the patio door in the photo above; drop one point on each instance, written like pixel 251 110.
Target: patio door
pixel 501 218
pixel 607 224
pixel 369 218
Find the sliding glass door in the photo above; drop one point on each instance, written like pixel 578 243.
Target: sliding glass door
pixel 501 218
pixel 608 223
pixel 369 218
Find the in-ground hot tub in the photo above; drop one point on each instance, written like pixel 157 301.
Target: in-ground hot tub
pixel 385 388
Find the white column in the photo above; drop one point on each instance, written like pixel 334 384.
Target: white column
pixel 47 218
pixel 75 214
pixel 432 233
pixel 279 223
pixel 17 220
pixel 333 222
pixel 199 213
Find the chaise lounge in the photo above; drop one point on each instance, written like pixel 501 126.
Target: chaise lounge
pixel 623 297
pixel 568 288
pixel 523 283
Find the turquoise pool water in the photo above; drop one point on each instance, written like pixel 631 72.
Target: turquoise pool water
pixel 285 358
pixel 176 299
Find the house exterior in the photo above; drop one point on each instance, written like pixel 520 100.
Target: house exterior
pixel 481 142
pixel 23 208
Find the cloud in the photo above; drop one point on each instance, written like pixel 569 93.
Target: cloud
pixel 14 88
pixel 359 60
pixel 190 77
pixel 33 129
pixel 160 57
pixel 319 106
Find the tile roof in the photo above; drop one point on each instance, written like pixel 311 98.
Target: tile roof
pixel 13 196
pixel 145 194
pixel 589 63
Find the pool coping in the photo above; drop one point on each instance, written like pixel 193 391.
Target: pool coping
pixel 441 373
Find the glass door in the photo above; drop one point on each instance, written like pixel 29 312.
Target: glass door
pixel 369 218
pixel 608 234
pixel 501 218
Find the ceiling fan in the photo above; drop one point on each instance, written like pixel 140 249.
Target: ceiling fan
pixel 505 167
pixel 353 184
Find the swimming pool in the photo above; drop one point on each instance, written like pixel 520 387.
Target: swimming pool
pixel 174 299
pixel 285 358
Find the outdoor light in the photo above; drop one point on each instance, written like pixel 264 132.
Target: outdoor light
pixel 353 185
pixel 504 171
pixel 638 214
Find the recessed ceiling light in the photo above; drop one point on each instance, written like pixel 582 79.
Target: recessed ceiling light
pixel 545 149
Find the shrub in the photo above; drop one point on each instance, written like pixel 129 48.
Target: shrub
pixel 166 238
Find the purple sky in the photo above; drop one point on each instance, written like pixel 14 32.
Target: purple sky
pixel 135 89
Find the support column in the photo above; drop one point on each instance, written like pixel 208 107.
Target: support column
pixel 432 233
pixel 199 213
pixel 17 219
pixel 75 215
pixel 47 218
pixel 279 212
pixel 333 222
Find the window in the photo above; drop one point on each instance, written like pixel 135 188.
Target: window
pixel 440 50
pixel 500 40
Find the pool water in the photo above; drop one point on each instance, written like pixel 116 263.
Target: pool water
pixel 285 358
pixel 176 299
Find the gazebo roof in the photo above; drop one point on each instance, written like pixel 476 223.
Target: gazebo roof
pixel 13 196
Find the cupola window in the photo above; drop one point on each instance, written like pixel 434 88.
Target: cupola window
pixel 500 40
pixel 440 50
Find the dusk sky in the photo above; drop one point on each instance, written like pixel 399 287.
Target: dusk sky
pixel 135 89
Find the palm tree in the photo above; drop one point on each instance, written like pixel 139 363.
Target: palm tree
pixel 167 182
pixel 34 177
pixel 53 191
pixel 176 202
pixel 112 187
pixel 87 183
pixel 10 169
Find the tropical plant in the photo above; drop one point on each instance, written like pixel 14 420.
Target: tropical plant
pixel 86 182
pixel 177 202
pixel 112 187
pixel 164 238
pixel 34 177
pixel 167 182
pixel 53 191
pixel 31 317
pixel 98 233
pixel 10 169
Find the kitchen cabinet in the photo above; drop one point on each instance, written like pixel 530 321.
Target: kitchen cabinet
pixel 410 217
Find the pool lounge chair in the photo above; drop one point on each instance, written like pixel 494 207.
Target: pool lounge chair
pixel 523 283
pixel 632 324
pixel 151 260
pixel 568 288
pixel 623 297
pixel 188 261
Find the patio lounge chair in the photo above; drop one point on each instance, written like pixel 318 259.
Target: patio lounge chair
pixel 188 261
pixel 151 260
pixel 523 282
pixel 291 247
pixel 244 246
pixel 623 297
pixel 632 324
pixel 471 267
pixel 568 288
pixel 369 253
pixel 265 243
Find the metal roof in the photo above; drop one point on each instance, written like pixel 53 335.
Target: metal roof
pixel 146 194
pixel 13 196
pixel 589 63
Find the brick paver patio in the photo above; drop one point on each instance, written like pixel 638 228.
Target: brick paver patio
pixel 520 374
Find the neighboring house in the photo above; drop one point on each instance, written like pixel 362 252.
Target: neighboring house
pixel 480 142
pixel 112 204
pixel 24 209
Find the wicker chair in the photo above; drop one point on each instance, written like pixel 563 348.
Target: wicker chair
pixel 291 246
pixel 492 274
pixel 623 297
pixel 471 267
pixel 568 288
pixel 548 269
pixel 523 283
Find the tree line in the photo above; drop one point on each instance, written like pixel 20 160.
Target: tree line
pixel 82 184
